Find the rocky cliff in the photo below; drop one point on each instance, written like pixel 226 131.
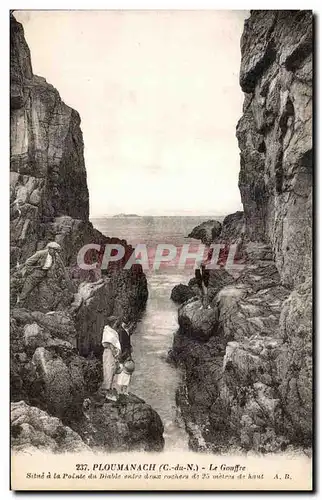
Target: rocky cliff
pixel 46 164
pixel 248 384
pixel 275 137
pixel 56 338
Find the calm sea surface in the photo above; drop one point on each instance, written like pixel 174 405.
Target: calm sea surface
pixel 155 380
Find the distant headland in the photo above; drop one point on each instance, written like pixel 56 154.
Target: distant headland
pixel 126 215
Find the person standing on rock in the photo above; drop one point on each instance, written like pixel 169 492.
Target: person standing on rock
pixel 36 269
pixel 117 362
pixel 111 355
pixel 126 365
pixel 202 275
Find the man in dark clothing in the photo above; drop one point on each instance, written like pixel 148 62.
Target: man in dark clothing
pixel 202 277
pixel 126 366
pixel 125 343
pixel 124 333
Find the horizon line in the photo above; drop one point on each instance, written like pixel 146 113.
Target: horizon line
pixel 160 215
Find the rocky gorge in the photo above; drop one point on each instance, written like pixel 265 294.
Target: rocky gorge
pixel 55 356
pixel 248 360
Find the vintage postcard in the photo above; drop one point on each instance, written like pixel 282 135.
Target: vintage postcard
pixel 161 250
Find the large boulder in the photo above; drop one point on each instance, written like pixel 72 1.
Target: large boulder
pixel 197 322
pixel 206 232
pixel 128 424
pixel 57 324
pixel 35 336
pixel 46 369
pixel 62 381
pixel 181 293
pixel 33 430
pixel 230 230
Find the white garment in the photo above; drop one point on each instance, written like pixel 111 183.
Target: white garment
pixel 48 261
pixel 110 336
pixel 109 366
pixel 121 382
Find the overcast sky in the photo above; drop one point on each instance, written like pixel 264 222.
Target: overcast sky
pixel 159 100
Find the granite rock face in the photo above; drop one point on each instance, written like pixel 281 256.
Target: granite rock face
pixel 275 137
pixel 238 377
pixel 47 164
pixel 122 294
pixel 33 430
pixel 47 169
pixel 233 228
pixel 46 369
pixel 195 321
pixel 48 178
pixel 56 292
pixel 294 365
pixel 249 386
pixel 56 337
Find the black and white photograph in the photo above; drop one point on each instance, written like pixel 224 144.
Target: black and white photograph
pixel 161 175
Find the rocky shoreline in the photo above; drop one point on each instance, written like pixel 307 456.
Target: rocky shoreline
pixel 248 360
pixel 55 355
